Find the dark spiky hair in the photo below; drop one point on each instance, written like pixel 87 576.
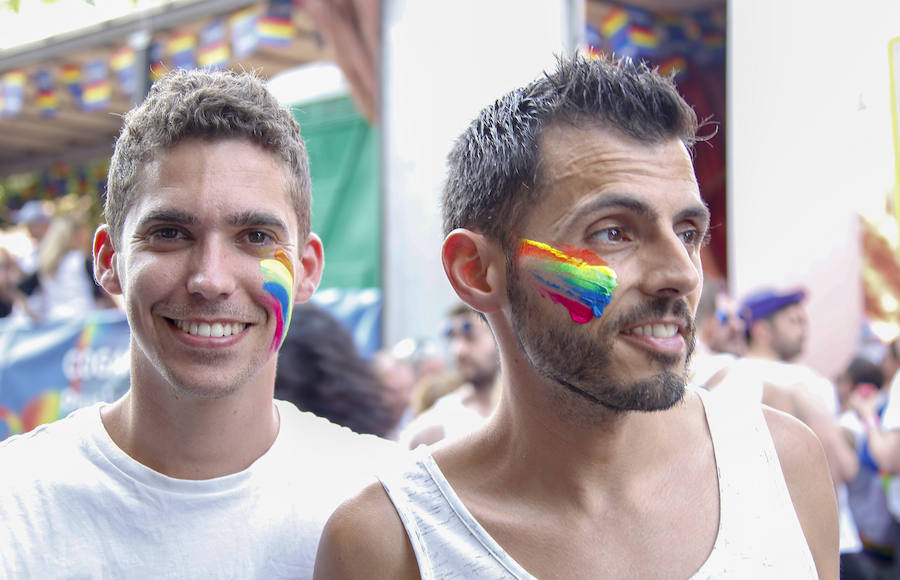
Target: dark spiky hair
pixel 493 166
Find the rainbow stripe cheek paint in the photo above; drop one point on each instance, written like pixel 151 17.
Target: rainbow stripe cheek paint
pixel 578 280
pixel 278 283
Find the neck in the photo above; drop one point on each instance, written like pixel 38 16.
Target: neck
pixel 188 437
pixel 572 440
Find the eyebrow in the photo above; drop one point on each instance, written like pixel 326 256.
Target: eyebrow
pixel 256 218
pixel 643 209
pixel 243 219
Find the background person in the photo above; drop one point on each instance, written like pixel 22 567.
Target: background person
pixel 321 371
pixel 777 327
pixel 465 408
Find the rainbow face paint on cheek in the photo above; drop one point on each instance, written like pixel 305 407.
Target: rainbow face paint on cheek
pixel 278 281
pixel 577 279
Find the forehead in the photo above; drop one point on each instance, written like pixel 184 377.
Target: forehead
pixel 584 167
pixel 209 180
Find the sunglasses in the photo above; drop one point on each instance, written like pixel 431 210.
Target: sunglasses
pixel 463 329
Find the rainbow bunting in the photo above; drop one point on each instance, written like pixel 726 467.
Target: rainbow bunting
pixel 47 100
pixel 96 91
pixel 156 60
pixel 244 37
pixel 214 51
pixel 182 50
pixel 124 64
pixel 614 22
pixel 70 76
pixel 643 37
pixel 13 88
pixel 276 26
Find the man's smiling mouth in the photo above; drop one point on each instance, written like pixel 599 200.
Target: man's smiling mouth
pixel 210 329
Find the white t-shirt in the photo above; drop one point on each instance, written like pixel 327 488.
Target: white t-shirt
pixel 74 505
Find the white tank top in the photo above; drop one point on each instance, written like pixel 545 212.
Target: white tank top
pixel 759 533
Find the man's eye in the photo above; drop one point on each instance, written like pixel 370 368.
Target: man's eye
pixel 690 237
pixel 610 235
pixel 258 237
pixel 694 238
pixel 166 233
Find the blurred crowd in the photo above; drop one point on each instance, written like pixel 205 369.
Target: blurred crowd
pixel 747 350
pixel 46 270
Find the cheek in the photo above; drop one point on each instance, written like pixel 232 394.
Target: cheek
pixel 576 279
pixel 277 293
pixel 584 293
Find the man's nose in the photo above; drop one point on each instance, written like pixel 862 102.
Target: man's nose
pixel 211 271
pixel 670 269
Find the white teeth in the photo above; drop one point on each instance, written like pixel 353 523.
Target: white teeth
pixel 215 330
pixel 655 330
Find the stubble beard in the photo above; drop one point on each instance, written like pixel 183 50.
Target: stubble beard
pixel 582 363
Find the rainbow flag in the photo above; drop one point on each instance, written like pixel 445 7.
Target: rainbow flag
pixel 96 91
pixel 182 50
pixel 214 51
pixel 13 83
pixel 643 37
pixel 614 22
pixel 244 36
pixel 156 61
pixel 70 76
pixel 124 64
pixel 47 100
pixel 276 26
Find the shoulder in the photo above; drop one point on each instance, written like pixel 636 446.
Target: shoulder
pixel 312 429
pixel 364 538
pixel 810 486
pixel 58 437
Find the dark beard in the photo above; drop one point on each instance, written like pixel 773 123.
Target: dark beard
pixel 581 363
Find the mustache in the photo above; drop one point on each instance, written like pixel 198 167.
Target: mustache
pixel 659 307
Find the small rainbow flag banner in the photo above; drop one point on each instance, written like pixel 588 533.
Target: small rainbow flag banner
pixel 70 76
pixel 96 90
pixel 244 36
pixel 47 100
pixel 673 41
pixel 276 26
pixel 13 92
pixel 124 64
pixel 614 23
pixel 156 55
pixel 182 50
pixel 214 51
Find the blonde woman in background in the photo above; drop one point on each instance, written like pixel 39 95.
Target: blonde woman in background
pixel 64 286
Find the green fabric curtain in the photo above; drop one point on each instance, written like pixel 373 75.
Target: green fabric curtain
pixel 346 208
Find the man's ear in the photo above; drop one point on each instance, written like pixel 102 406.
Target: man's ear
pixel 105 266
pixel 475 265
pixel 309 272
